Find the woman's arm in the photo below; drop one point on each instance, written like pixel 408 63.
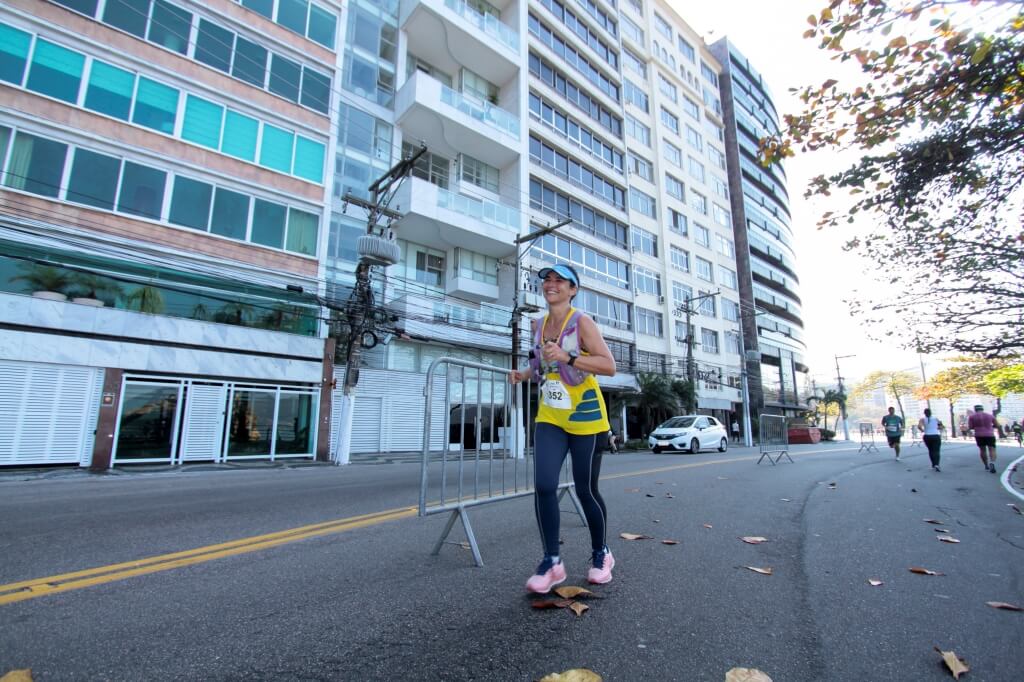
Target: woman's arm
pixel 599 359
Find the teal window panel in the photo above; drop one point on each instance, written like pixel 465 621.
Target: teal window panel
pixel 14 45
pixel 230 214
pixel 302 232
pixel 293 14
pixel 309 159
pixel 128 15
pixel 202 122
pixel 276 148
pixel 83 6
pixel 190 203
pixel 240 133
pixel 56 71
pixel 323 26
pixel 93 179
pixel 36 165
pixel 170 27
pixel 5 138
pixel 264 7
pixel 316 90
pixel 142 190
pixel 284 77
pixel 110 90
pixel 156 106
pixel 268 220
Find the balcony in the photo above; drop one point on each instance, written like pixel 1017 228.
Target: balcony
pixel 430 111
pixel 443 220
pixel 450 33
pixel 470 288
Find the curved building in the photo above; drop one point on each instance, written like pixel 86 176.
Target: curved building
pixel 772 318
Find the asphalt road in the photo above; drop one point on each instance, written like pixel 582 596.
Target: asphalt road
pixel 363 598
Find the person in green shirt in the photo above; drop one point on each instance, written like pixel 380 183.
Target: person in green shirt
pixel 893 424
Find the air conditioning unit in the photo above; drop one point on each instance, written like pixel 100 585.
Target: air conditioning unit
pixel 661 299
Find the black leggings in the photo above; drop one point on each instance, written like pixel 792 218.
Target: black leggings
pixel 933 443
pixel 551 443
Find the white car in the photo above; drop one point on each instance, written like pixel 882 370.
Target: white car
pixel 692 432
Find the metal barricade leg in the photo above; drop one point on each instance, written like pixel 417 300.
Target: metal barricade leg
pixel 570 489
pixel 467 527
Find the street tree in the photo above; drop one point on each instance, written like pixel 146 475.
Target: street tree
pixel 1010 379
pixel 897 383
pixel 656 400
pixel 831 402
pixel 966 376
pixel 935 120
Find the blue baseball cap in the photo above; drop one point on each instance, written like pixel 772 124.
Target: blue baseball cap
pixel 563 271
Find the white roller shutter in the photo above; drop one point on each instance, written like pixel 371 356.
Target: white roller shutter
pixel 48 413
pixel 366 424
pixel 203 435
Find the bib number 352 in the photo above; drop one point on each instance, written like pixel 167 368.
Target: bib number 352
pixel 555 395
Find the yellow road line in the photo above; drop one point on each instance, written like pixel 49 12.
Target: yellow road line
pixel 29 589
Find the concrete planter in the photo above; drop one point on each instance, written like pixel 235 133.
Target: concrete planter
pixel 94 302
pixel 49 295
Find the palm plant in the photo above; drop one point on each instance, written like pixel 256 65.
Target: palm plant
pixel 40 277
pixel 656 401
pixel 146 299
pixel 89 285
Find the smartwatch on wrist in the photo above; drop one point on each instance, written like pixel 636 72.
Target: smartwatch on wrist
pixel 572 359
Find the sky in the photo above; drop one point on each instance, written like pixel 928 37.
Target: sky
pixel 770 34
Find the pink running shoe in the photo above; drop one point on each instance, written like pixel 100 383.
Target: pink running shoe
pixel 601 572
pixel 548 575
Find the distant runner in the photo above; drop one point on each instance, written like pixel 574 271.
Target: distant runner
pixel 930 434
pixel 984 426
pixel 893 424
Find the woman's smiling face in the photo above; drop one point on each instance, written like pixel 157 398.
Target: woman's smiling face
pixel 557 289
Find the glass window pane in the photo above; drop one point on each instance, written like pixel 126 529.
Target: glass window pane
pixel 292 14
pixel 110 90
pixel 36 165
pixel 322 26
pixel 147 422
pixel 264 7
pixel 202 122
pixel 129 15
pixel 252 423
pixel 268 224
pixel 5 137
pixel 55 71
pixel 93 179
pixel 83 6
pixel 171 26
pixel 302 232
pixel 190 203
pixel 230 214
pixel 14 46
pixel 156 106
pixel 250 62
pixel 276 148
pixel 214 45
pixel 240 136
pixel 294 425
pixel 309 159
pixel 316 90
pixel 284 77
pixel 142 190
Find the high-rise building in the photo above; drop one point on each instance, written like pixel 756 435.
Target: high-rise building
pixel 766 252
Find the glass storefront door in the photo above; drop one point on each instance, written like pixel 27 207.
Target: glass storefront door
pixel 148 427
pixel 251 423
pixel 295 421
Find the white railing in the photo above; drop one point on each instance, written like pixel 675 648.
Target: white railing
pixel 481 209
pixel 484 112
pixel 488 23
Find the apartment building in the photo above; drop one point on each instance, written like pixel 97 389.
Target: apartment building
pixel 763 232
pixel 163 215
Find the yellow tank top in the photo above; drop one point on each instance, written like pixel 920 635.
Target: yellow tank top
pixel 580 409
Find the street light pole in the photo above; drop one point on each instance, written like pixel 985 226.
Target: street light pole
pixel 686 308
pixel 842 392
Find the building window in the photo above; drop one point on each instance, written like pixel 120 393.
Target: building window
pixel 644 241
pixel 672 154
pixel 669 120
pixel 431 167
pixel 732 343
pixel 641 167
pixel 479 173
pixel 55 71
pixel 726 247
pixel 702 236
pixel 703 269
pixel 631 30
pixel 680 259
pixel 93 179
pixel 706 305
pixel 171 27
pixel 709 341
pixel 635 95
pixel 720 187
pixel 708 73
pixel 681 293
pixel 691 108
pixel 727 277
pixel 587 261
pixel 649 322
pixel 730 310
pixel 663 27
pixel 677 222
pixel 681 338
pixel 717 157
pixel 36 165
pixel 634 63
pixel 693 138
pixel 429 267
pixel 666 88
pixel 646 281
pixel 643 203
pixel 638 131
pixel 699 203
pixel 674 188
pixel 695 168
pixel 687 50
pixel 653 363
pixel 721 216
pixel 476 266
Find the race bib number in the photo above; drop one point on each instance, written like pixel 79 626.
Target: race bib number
pixel 556 395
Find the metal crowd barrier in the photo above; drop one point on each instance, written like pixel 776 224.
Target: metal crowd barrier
pixel 867 437
pixel 915 436
pixel 773 438
pixel 481 455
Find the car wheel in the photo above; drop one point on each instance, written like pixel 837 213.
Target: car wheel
pixel 723 445
pixel 694 446
pixel 656 451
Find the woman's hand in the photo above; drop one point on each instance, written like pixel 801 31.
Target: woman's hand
pixel 518 376
pixel 552 352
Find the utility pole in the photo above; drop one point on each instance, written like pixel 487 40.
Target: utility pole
pixel 361 313
pixel 924 377
pixel 748 437
pixel 686 308
pixel 842 392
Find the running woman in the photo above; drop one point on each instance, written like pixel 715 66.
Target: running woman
pixel 893 424
pixel 984 426
pixel 929 426
pixel 568 351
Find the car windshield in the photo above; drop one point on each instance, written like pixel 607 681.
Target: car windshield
pixel 678 423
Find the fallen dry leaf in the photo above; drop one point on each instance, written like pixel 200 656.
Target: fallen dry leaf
pixel 464 545
pixel 941 530
pixel 649 495
pixel 1015 508
pixel 670 496
pixel 656 520
pixel 708 525
pixel 571 592
pixel 753 539
pixel 923 571
pixel 24 675
pixel 670 542
pixel 551 603
pixel 578 608
pixel 875 582
pixel 632 490
pixel 635 536
pixel 762 571
pixel 785 499
pixel 934 521
pixel 1003 605
pixel 913 490
pixel 957 666
pixel 832 486
pixel 948 538
pixel 746 675
pixel 574 675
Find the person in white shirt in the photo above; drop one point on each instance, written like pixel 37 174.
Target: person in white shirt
pixel 929 426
